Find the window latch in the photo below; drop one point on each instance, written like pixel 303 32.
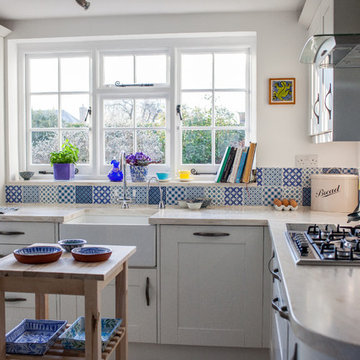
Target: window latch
pixel 88 113
pixel 178 112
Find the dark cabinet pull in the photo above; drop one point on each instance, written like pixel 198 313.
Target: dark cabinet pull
pixel 283 311
pixel 15 299
pixel 275 271
pixel 295 357
pixel 12 233
pixel 211 234
pixel 147 291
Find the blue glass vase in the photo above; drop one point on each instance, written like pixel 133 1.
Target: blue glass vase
pixel 115 174
pixel 138 173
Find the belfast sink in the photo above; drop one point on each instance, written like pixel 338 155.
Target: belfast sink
pixel 116 227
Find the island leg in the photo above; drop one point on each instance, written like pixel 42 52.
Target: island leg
pixel 92 320
pixel 2 326
pixel 121 308
pixel 41 306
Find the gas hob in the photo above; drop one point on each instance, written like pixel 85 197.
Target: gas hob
pixel 324 244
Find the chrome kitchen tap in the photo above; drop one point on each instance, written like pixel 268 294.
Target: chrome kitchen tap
pixel 124 204
pixel 161 202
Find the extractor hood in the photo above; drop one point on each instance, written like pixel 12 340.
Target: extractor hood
pixel 334 51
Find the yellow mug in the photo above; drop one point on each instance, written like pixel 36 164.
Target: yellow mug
pixel 184 174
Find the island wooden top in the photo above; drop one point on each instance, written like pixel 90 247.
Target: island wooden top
pixel 67 267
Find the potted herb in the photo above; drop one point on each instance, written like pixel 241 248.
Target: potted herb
pixel 64 161
pixel 138 166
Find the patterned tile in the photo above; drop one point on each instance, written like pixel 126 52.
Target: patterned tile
pixel 48 194
pixel 101 194
pixel 332 171
pixel 31 194
pixel 116 194
pixel 66 194
pixel 270 193
pixel 13 194
pixel 154 195
pixel 306 196
pixel 216 194
pixel 293 192
pixel 252 196
pixel 83 194
pixel 233 196
pixel 352 171
pixel 306 173
pixel 259 176
pixel 175 193
pixel 272 176
pixel 292 177
pixel 139 194
pixel 194 192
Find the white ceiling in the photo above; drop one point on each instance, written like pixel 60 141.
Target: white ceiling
pixel 36 9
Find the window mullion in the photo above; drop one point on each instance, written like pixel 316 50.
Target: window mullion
pixel 213 112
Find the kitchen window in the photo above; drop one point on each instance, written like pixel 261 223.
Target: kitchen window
pixel 182 105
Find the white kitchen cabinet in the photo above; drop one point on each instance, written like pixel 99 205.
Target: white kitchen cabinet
pixel 211 285
pixel 15 235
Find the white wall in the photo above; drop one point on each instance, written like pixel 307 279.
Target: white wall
pixel 282 130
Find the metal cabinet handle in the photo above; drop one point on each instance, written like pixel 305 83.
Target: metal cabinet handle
pixel 327 108
pixel 295 356
pixel 15 299
pixel 211 234
pixel 283 311
pixel 12 233
pixel 314 110
pixel 275 271
pixel 147 291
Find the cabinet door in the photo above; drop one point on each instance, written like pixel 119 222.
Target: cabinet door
pixel 142 324
pixel 211 285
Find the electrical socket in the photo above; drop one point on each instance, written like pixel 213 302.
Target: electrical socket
pixel 305 161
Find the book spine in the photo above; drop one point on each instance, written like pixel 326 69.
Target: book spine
pixel 249 163
pixel 222 165
pixel 241 165
pixel 228 165
pixel 234 170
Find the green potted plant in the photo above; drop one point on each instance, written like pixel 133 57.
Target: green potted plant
pixel 64 161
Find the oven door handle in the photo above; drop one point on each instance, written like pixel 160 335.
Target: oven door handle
pixel 274 272
pixel 283 310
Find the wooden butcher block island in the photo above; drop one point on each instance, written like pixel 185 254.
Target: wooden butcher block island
pixel 70 277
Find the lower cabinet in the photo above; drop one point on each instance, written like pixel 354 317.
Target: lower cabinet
pixel 211 280
pixel 142 305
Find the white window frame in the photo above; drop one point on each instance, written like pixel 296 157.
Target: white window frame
pixel 174 45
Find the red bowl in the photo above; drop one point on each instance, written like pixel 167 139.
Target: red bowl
pixel 38 254
pixel 91 254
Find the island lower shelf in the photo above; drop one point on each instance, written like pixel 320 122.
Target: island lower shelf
pixel 57 352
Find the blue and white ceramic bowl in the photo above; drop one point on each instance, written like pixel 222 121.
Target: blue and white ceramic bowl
pixel 70 244
pixel 37 254
pixel 26 175
pixel 91 254
pixel 33 337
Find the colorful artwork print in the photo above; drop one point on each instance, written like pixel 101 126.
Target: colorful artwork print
pixel 282 91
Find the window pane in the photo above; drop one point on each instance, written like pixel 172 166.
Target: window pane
pixel 44 111
pixel 229 108
pixel 74 74
pixel 196 108
pixel 43 75
pixel 117 141
pixel 196 147
pixel 79 138
pixel 118 113
pixel 43 143
pixel 230 71
pixel 150 69
pixel 150 112
pixel 224 138
pixel 74 109
pixel 152 143
pixel 118 68
pixel 196 71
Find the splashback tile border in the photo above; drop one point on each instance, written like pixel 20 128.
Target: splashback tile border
pixel 271 183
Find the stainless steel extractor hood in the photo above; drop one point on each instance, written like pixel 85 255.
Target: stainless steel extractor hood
pixel 334 51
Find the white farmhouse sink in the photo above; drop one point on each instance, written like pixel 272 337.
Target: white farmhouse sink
pixel 116 227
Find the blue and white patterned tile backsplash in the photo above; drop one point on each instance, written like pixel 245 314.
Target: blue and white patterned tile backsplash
pixel 271 183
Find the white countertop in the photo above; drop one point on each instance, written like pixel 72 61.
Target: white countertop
pixel 324 301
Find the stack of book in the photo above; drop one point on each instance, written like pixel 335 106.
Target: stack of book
pixel 236 164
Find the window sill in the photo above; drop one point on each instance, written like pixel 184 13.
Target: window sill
pixel 88 182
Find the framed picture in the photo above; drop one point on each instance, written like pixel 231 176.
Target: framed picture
pixel 281 91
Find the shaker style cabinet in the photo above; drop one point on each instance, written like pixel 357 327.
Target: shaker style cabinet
pixel 211 285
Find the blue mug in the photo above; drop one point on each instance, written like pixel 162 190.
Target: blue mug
pixel 162 175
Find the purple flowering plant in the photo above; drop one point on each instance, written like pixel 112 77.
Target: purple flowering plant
pixel 138 159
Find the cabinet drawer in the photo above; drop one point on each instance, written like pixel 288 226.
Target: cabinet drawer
pixel 26 232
